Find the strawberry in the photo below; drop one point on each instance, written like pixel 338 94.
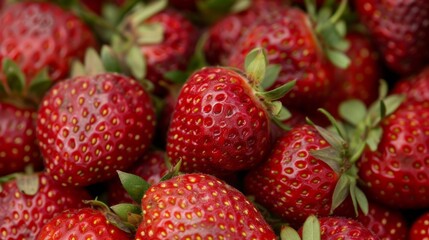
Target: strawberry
pixel 28 202
pixel 151 167
pixel 419 228
pixel 221 122
pixel 400 30
pixel 293 44
pixel 41 35
pixel 18 147
pixel 415 87
pixel 360 79
pixel 199 206
pixel 222 37
pixel 343 228
pixel 396 173
pixel 83 223
pixel 90 126
pixel 384 222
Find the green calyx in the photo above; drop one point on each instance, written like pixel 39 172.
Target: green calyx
pixel 331 29
pixel 310 230
pixel 262 76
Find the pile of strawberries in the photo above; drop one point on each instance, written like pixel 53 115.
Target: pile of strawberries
pixel 214 119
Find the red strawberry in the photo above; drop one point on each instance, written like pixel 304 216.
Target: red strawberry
pixel 416 87
pixel 343 228
pixel 40 35
pixel 198 206
pixel 221 122
pixel 222 37
pixel 28 202
pixel 82 224
pixel 292 43
pixel 400 29
pixel 292 183
pixel 387 224
pixel 151 167
pixel 88 127
pixel 18 147
pixel 360 79
pixel 419 228
pixel 396 173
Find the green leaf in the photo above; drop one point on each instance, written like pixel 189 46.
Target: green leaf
pixel 311 228
pixel 240 5
pixel 353 111
pixel 179 77
pixel 374 138
pixel 109 60
pixel 341 28
pixel 136 62
pixel 93 64
pixel 330 156
pixel 341 191
pixel 383 89
pixel 353 197
pixel 173 172
pixel 123 210
pixel 77 69
pixel 283 114
pixel 150 33
pixel 40 83
pixel 288 233
pixel 334 139
pixel 134 185
pixel 362 201
pixel 337 125
pixel 256 65
pixel 28 184
pixel 271 75
pixel 357 151
pixel 338 58
pixel 14 76
pixel 147 11
pixel 278 92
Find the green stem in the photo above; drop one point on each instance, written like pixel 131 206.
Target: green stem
pixel 340 11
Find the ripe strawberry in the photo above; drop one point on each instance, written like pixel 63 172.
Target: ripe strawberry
pixel 360 79
pixel 39 35
pixel 90 126
pixel 396 173
pixel 18 147
pixel 222 37
pixel 416 87
pixel 80 224
pixel 400 30
pixel 151 167
pixel 343 228
pixel 419 228
pixel 385 223
pixel 292 43
pixel 221 122
pixel 28 202
pixel 199 206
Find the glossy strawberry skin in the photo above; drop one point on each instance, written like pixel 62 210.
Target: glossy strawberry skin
pixel 151 167
pixel 18 147
pixel 416 87
pixel 292 183
pixel 419 228
pixel 291 43
pixel 343 228
pixel 41 35
pixel 401 31
pixel 199 206
pixel 22 216
pixel 218 125
pixel 81 224
pixel 174 52
pixel 396 173
pixel 360 80
pixel 88 127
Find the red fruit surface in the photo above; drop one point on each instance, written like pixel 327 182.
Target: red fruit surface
pixel 218 124
pixel 18 147
pixel 41 35
pixel 81 224
pixel 396 174
pixel 400 29
pixel 292 183
pixel 199 206
pixel 343 228
pixel 151 167
pixel 290 42
pixel 88 127
pixel 420 228
pixel 416 88
pixel 22 216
